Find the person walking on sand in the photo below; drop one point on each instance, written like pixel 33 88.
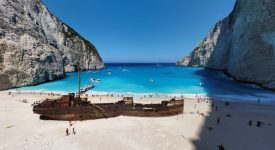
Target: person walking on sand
pixel 74 131
pixel 67 132
pixel 250 122
pixel 221 147
pixel 70 122
pixel 218 120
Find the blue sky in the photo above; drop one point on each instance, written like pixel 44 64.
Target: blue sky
pixel 141 30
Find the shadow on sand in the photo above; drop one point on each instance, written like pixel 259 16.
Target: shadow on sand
pixel 233 130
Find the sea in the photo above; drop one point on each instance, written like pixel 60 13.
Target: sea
pixel 156 78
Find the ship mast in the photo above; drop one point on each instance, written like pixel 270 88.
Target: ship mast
pixel 78 81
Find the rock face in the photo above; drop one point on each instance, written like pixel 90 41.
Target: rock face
pixel 36 47
pixel 243 44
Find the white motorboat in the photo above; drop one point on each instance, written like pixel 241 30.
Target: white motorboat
pixel 95 80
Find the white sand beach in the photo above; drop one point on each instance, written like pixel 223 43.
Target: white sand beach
pixel 20 128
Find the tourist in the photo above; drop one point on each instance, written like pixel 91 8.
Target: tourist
pixel 67 132
pixel 227 104
pixel 70 123
pixel 250 122
pixel 259 124
pixel 210 128
pixel 74 131
pixel 228 115
pixel 216 108
pixel 218 120
pixel 199 100
pixel 221 147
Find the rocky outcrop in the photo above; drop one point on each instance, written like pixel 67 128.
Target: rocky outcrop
pixel 243 44
pixel 36 47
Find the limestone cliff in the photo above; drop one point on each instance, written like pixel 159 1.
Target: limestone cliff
pixel 36 47
pixel 243 44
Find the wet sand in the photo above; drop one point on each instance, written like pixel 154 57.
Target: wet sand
pixel 21 129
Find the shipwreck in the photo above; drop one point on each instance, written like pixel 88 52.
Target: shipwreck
pixel 72 107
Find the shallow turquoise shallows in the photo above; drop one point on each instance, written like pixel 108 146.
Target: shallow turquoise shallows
pixel 153 78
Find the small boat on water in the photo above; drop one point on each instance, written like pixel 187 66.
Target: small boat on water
pixel 158 65
pixel 95 80
pixel 86 88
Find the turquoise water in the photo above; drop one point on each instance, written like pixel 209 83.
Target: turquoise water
pixel 153 78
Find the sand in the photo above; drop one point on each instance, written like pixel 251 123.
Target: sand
pixel 21 129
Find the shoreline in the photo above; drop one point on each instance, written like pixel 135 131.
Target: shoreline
pixel 264 98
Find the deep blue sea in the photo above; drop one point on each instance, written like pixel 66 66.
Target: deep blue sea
pixel 154 78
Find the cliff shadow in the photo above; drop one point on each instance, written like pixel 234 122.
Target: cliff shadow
pixel 224 125
pixel 219 84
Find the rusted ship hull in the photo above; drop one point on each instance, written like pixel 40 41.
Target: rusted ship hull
pixel 109 110
pixel 153 110
pixel 77 113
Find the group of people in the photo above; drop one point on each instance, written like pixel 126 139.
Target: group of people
pixel 140 97
pixel 203 99
pixel 32 92
pixel 258 123
pixel 67 130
